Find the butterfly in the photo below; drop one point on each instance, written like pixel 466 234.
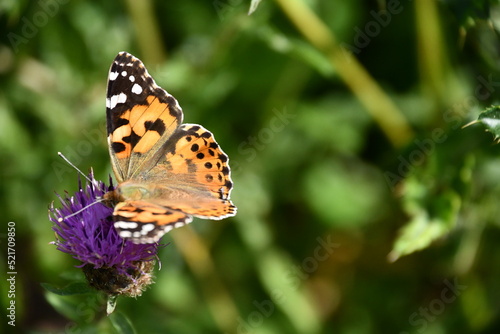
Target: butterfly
pixel 167 171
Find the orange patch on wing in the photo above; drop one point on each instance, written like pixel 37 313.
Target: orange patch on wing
pixel 156 110
pixel 178 164
pixel 151 112
pixel 147 142
pixel 123 131
pixel 207 209
pixel 144 212
pixel 173 217
pixel 125 154
pixel 135 114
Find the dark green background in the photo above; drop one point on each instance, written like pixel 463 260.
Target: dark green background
pixel 339 165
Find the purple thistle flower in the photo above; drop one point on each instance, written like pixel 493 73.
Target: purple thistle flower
pixel 84 229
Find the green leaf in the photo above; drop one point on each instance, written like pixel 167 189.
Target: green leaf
pixel 253 6
pixel 121 323
pixel 76 288
pixel 63 305
pixel 429 222
pixel 83 308
pixel 491 119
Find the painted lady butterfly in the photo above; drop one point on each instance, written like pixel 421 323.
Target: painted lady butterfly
pixel 167 172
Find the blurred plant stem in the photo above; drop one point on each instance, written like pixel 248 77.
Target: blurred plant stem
pixel 383 110
pixel 431 53
pixel 197 257
pixel 147 31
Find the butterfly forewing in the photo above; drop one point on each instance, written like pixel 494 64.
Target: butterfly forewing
pixel 140 116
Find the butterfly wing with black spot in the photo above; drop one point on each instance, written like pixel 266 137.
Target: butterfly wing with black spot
pixel 141 116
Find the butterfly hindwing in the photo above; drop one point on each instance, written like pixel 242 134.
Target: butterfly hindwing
pixel 144 222
pixel 197 153
pixel 194 164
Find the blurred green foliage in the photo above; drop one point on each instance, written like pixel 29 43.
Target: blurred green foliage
pixel 364 207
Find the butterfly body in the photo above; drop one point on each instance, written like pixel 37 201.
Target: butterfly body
pixel 167 172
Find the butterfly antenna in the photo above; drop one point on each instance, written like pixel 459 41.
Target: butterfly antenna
pixel 99 200
pixel 78 170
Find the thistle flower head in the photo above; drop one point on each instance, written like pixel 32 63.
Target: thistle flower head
pixel 84 229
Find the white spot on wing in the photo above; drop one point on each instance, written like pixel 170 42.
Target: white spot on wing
pixel 124 73
pixel 126 225
pixel 115 99
pixel 136 89
pixel 147 228
pixel 125 234
pixel 131 78
pixel 168 228
pixel 113 76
